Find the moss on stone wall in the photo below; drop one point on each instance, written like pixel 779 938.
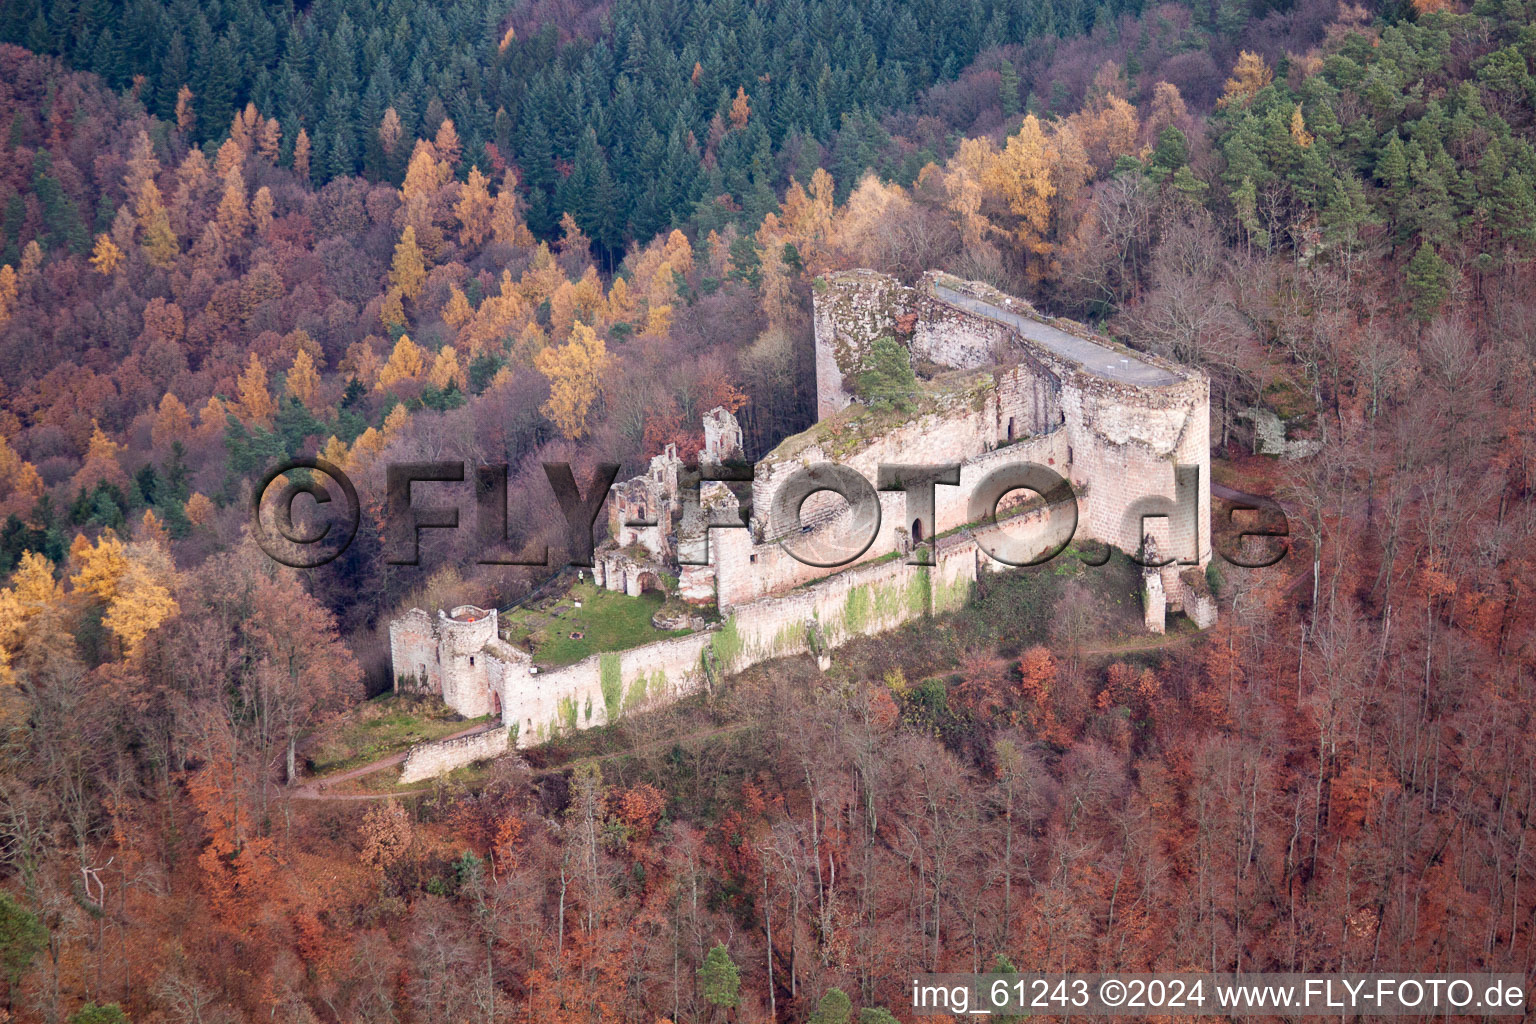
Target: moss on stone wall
pixel 613 685
pixel 635 695
pixel 951 596
pixel 856 610
pixel 725 646
pixel 789 640
pixel 920 591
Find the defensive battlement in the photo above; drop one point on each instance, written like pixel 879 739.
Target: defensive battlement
pixel 946 323
pixel 998 384
pixel 1065 344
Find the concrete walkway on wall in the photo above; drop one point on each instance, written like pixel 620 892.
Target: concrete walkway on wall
pixel 1095 358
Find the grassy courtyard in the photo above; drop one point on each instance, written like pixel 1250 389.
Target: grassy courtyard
pixel 605 622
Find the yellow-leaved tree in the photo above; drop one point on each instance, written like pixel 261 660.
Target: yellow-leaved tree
pixel 256 405
pixel 143 598
pixel 965 192
pixel 456 311
pixel 390 131
pixel 575 372
pixel 261 210
pixel 425 177
pixel 579 300
pixel 446 143
pixel 1021 175
pixel 301 154
pixel 409 270
pixel 392 311
pixel 474 209
pixel 199 509
pixel 335 451
pixel 101 462
pixel 507 217
pixel 406 362
pixel 1299 131
pixel 20 483
pixel 303 379
pixel 1249 75
pixel 446 370
pixel 106 257
pixel 32 590
pixel 365 450
pixel 234 214
pixel 172 423
pixel 740 109
pixel 159 241
pixel 98 567
pixel 7 292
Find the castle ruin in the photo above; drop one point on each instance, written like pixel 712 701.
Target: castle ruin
pixel 997 384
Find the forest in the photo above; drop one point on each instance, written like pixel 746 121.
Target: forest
pixel 237 232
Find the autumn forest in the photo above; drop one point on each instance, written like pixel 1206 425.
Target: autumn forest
pixel 238 232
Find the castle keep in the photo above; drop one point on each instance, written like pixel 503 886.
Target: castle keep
pixel 998 384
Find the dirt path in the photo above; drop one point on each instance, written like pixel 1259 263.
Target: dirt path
pixel 1150 643
pixel 320 789
pixel 1226 493
pixel 317 789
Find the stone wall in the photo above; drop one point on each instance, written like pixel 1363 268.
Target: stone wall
pixel 413 653
pixel 469 677
pixel 968 426
pixel 438 757
pixel 597 689
pixel 1126 443
pixel 1123 440
pixel 1196 597
pixel 861 601
pixel 1021 387
pixel 852 309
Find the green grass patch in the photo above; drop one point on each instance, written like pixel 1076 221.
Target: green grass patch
pixel 856 610
pixel 606 622
pixel 726 645
pixel 377 728
pixel 613 685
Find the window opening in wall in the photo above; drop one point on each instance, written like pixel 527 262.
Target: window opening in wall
pixel 471 661
pixel 1010 428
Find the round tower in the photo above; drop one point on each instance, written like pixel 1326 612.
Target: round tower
pixel 463 634
pixel 465 629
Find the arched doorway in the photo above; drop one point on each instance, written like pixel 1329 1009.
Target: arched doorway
pixel 917 531
pixel 650 583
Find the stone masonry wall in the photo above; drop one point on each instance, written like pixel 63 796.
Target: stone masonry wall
pixel 948 336
pixel 1118 443
pixel 541 704
pixel 413 652
pixel 752 567
pixel 438 757
pixel 1125 445
pixel 463 636
pixel 852 309
pixel 862 601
